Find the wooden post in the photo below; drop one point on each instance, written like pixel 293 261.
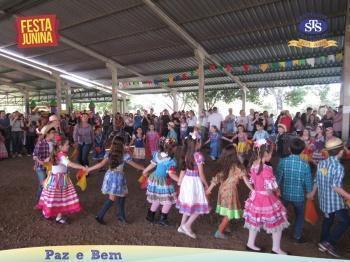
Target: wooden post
pixel 200 57
pixel 58 94
pixel 346 78
pixel 113 68
pixel 244 99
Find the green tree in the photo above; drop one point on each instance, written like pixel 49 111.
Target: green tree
pixel 292 96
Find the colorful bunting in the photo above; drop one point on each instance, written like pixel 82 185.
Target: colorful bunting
pixel 331 58
pixel 184 76
pixel 274 66
pixel 245 68
pixel 310 61
pixel 295 62
pixel 302 62
pixel 289 63
pixel 264 67
pixel 339 57
pixel 228 68
pixel 282 64
pixel 212 67
pixel 171 79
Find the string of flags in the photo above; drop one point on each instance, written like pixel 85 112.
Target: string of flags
pixel 171 78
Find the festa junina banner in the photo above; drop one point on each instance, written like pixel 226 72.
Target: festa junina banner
pixel 37 31
pixel 143 253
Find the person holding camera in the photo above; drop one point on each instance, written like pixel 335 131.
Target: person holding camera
pixel 17 125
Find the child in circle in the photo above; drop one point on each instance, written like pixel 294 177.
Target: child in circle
pixel 192 200
pixel 160 190
pixel 152 140
pixel 114 182
pixel 139 141
pixel 59 197
pixel 231 172
pixel 263 209
pixel 215 140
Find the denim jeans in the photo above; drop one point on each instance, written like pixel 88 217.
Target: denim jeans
pixel 41 174
pixel 343 222
pixel 17 142
pixel 84 150
pixel 299 209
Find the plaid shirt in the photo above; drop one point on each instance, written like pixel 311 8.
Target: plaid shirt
pixel 330 174
pixel 41 151
pixel 294 178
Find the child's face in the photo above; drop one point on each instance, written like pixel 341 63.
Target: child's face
pixel 151 127
pixel 65 147
pixel 240 129
pixel 259 127
pixel 212 129
pixel 50 136
pixel 139 131
pixel 305 133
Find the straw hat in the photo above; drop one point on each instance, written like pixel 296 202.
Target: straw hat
pixel 47 128
pixel 334 143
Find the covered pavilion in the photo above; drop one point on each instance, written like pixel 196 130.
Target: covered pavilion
pixel 109 50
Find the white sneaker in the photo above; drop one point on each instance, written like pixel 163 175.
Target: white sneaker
pixel 181 230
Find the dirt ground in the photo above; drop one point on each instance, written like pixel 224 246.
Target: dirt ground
pixel 23 226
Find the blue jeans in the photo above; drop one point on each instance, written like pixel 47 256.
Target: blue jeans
pixel 299 210
pixel 41 174
pixel 332 236
pixel 17 142
pixel 84 150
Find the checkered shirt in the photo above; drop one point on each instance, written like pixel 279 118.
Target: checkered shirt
pixel 294 178
pixel 330 174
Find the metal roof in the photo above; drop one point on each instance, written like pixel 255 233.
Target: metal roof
pixel 127 31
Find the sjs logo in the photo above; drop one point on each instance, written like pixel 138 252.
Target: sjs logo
pixel 313 26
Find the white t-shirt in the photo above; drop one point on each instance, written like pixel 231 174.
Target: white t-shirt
pixel 192 121
pixel 250 126
pixel 215 119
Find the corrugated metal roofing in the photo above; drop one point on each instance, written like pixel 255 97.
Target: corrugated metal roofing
pixel 236 32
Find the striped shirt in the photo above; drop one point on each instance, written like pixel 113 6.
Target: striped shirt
pixel 330 174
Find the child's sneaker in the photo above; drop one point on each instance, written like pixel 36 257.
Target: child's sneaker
pixel 219 235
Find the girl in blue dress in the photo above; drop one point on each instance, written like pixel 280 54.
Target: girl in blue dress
pixel 114 182
pixel 215 139
pixel 138 140
pixel 160 190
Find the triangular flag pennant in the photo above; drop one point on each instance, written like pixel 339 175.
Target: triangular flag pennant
pixel 282 64
pixel 310 61
pixel 120 85
pixel 254 67
pixel 331 58
pixel 264 67
pixel 171 79
pixel 184 76
pixel 140 84
pixel 322 59
pixel 289 63
pixel 245 68
pixel 192 73
pixel 177 78
pixel 339 57
pixel 274 66
pixel 302 62
pixel 212 67
pixel 149 82
pixel 228 68
pixel 221 68
pixel 156 82
pixel 295 62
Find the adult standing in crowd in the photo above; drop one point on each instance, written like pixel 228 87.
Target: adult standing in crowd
pixel 229 123
pixel 83 139
pixel 250 124
pixel 191 121
pixel 129 124
pixel 242 119
pixel 5 129
pixel 17 125
pixel 106 124
pixel 337 121
pixel 215 119
pixel 164 120
pixel 137 120
pixel 118 123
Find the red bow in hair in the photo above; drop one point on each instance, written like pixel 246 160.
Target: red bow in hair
pixel 58 138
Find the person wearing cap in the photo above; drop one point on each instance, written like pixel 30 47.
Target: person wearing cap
pixel 337 121
pixel 41 153
pixel 329 184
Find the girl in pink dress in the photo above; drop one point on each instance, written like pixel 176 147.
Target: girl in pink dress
pixel 152 141
pixel 263 209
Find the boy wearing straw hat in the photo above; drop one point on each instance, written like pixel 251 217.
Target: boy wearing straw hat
pixel 329 180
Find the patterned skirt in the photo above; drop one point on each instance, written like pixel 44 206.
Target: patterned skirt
pixel 58 196
pixel 160 189
pixel 192 198
pixel 114 183
pixel 265 210
pixel 139 153
pixel 242 147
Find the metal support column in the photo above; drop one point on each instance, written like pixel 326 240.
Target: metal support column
pixel 114 71
pixel 58 94
pixel 26 102
pixel 346 78
pixel 200 57
pixel 244 99
pixel 69 99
